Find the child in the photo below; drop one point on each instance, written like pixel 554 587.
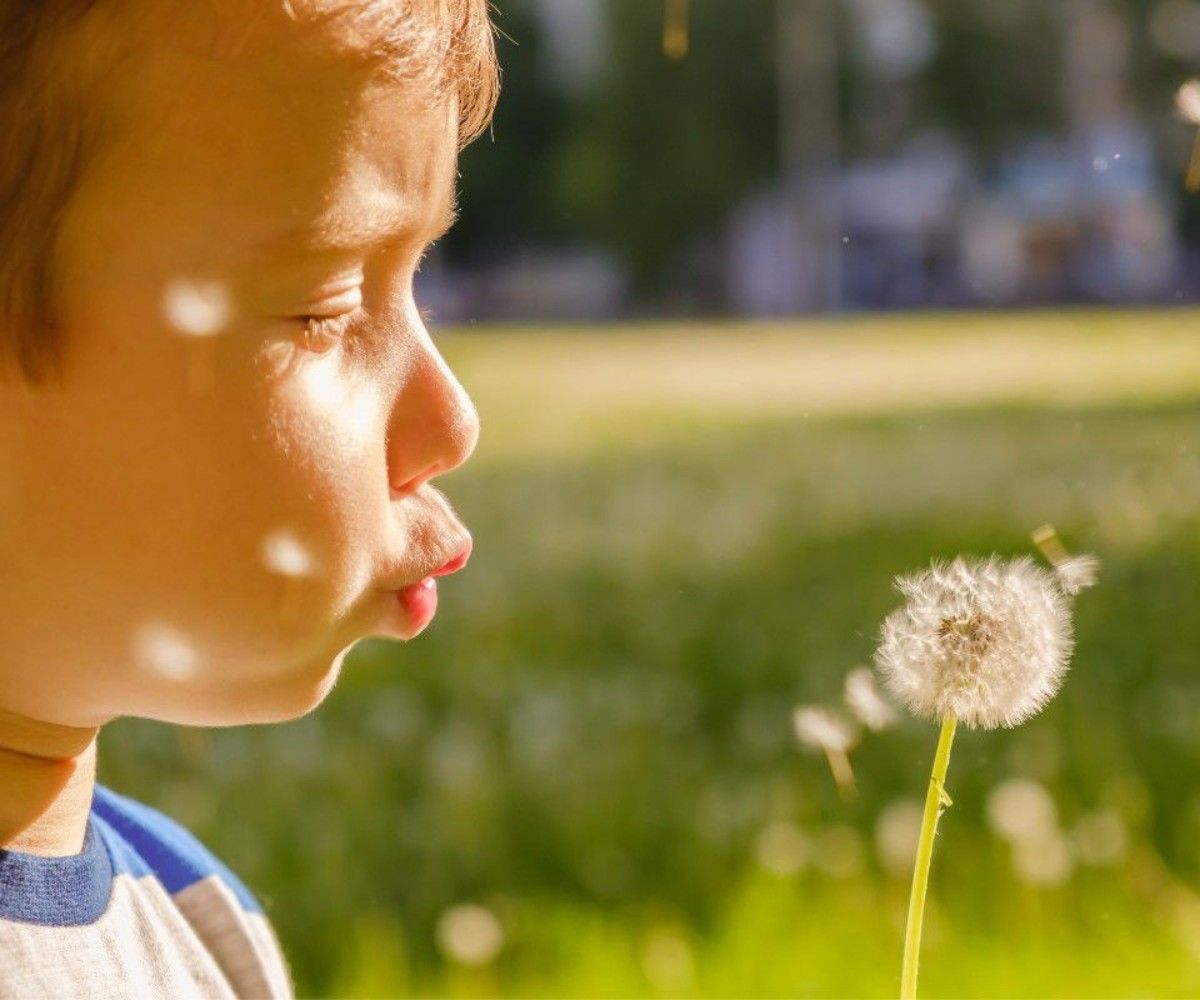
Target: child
pixel 219 425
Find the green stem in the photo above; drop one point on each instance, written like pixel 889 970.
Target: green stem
pixel 935 797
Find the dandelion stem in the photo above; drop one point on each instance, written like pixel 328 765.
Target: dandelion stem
pixel 935 799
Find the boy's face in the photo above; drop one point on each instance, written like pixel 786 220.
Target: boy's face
pixel 197 527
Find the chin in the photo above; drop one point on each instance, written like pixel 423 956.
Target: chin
pixel 282 697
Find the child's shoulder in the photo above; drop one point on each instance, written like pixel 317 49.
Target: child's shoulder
pixel 149 842
pixel 145 909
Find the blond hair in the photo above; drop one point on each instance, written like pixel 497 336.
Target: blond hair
pixel 55 55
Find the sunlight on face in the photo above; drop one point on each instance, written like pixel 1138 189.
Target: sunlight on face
pixel 197 308
pixel 285 554
pixel 165 651
pixel 355 405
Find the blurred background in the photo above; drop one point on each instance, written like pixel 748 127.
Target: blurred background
pixel 851 285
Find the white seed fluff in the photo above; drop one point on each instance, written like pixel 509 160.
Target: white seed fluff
pixel 984 641
pixel 865 702
pixel 823 729
pixel 1076 573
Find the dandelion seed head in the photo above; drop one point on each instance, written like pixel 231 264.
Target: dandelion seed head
pixel 1076 573
pixel 865 702
pixel 986 642
pixel 823 729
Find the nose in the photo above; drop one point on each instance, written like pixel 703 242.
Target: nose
pixel 433 427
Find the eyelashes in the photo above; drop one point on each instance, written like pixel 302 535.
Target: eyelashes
pixel 325 330
pixel 321 333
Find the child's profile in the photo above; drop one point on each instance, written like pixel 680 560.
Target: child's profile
pixel 221 423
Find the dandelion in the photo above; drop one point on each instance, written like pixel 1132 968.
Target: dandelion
pixel 865 702
pixel 984 643
pixel 833 734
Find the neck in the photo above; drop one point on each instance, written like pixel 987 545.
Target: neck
pixel 47 773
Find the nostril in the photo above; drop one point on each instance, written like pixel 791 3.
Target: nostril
pixel 416 482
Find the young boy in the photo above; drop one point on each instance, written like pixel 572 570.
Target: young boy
pixel 219 425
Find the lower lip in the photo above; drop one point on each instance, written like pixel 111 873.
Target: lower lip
pixel 420 603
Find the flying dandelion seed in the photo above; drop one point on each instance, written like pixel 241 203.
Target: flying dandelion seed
pixel 1075 573
pixel 1187 104
pixel 470 934
pixel 164 650
pixel 833 734
pixel 675 29
pixel 865 702
pixel 198 311
pixel 983 643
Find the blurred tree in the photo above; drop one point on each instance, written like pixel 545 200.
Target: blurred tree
pixel 971 87
pixel 653 162
pixel 506 174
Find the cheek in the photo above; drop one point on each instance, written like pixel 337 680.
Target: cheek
pixel 206 541
pixel 325 474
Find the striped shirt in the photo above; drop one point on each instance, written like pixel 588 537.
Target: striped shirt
pixel 144 910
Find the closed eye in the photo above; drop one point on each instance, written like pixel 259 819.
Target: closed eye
pixel 323 332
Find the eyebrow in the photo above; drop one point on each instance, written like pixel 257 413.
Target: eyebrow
pixel 346 233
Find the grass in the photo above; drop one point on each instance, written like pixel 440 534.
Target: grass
pixel 681 533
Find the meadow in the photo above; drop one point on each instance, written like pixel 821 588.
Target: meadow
pixel 682 532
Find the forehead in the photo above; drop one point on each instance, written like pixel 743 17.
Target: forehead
pixel 271 133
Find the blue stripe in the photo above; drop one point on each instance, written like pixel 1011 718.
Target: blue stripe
pixel 174 855
pixel 58 892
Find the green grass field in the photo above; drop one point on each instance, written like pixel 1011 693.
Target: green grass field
pixel 681 533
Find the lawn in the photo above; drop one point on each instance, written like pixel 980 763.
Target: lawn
pixel 682 532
